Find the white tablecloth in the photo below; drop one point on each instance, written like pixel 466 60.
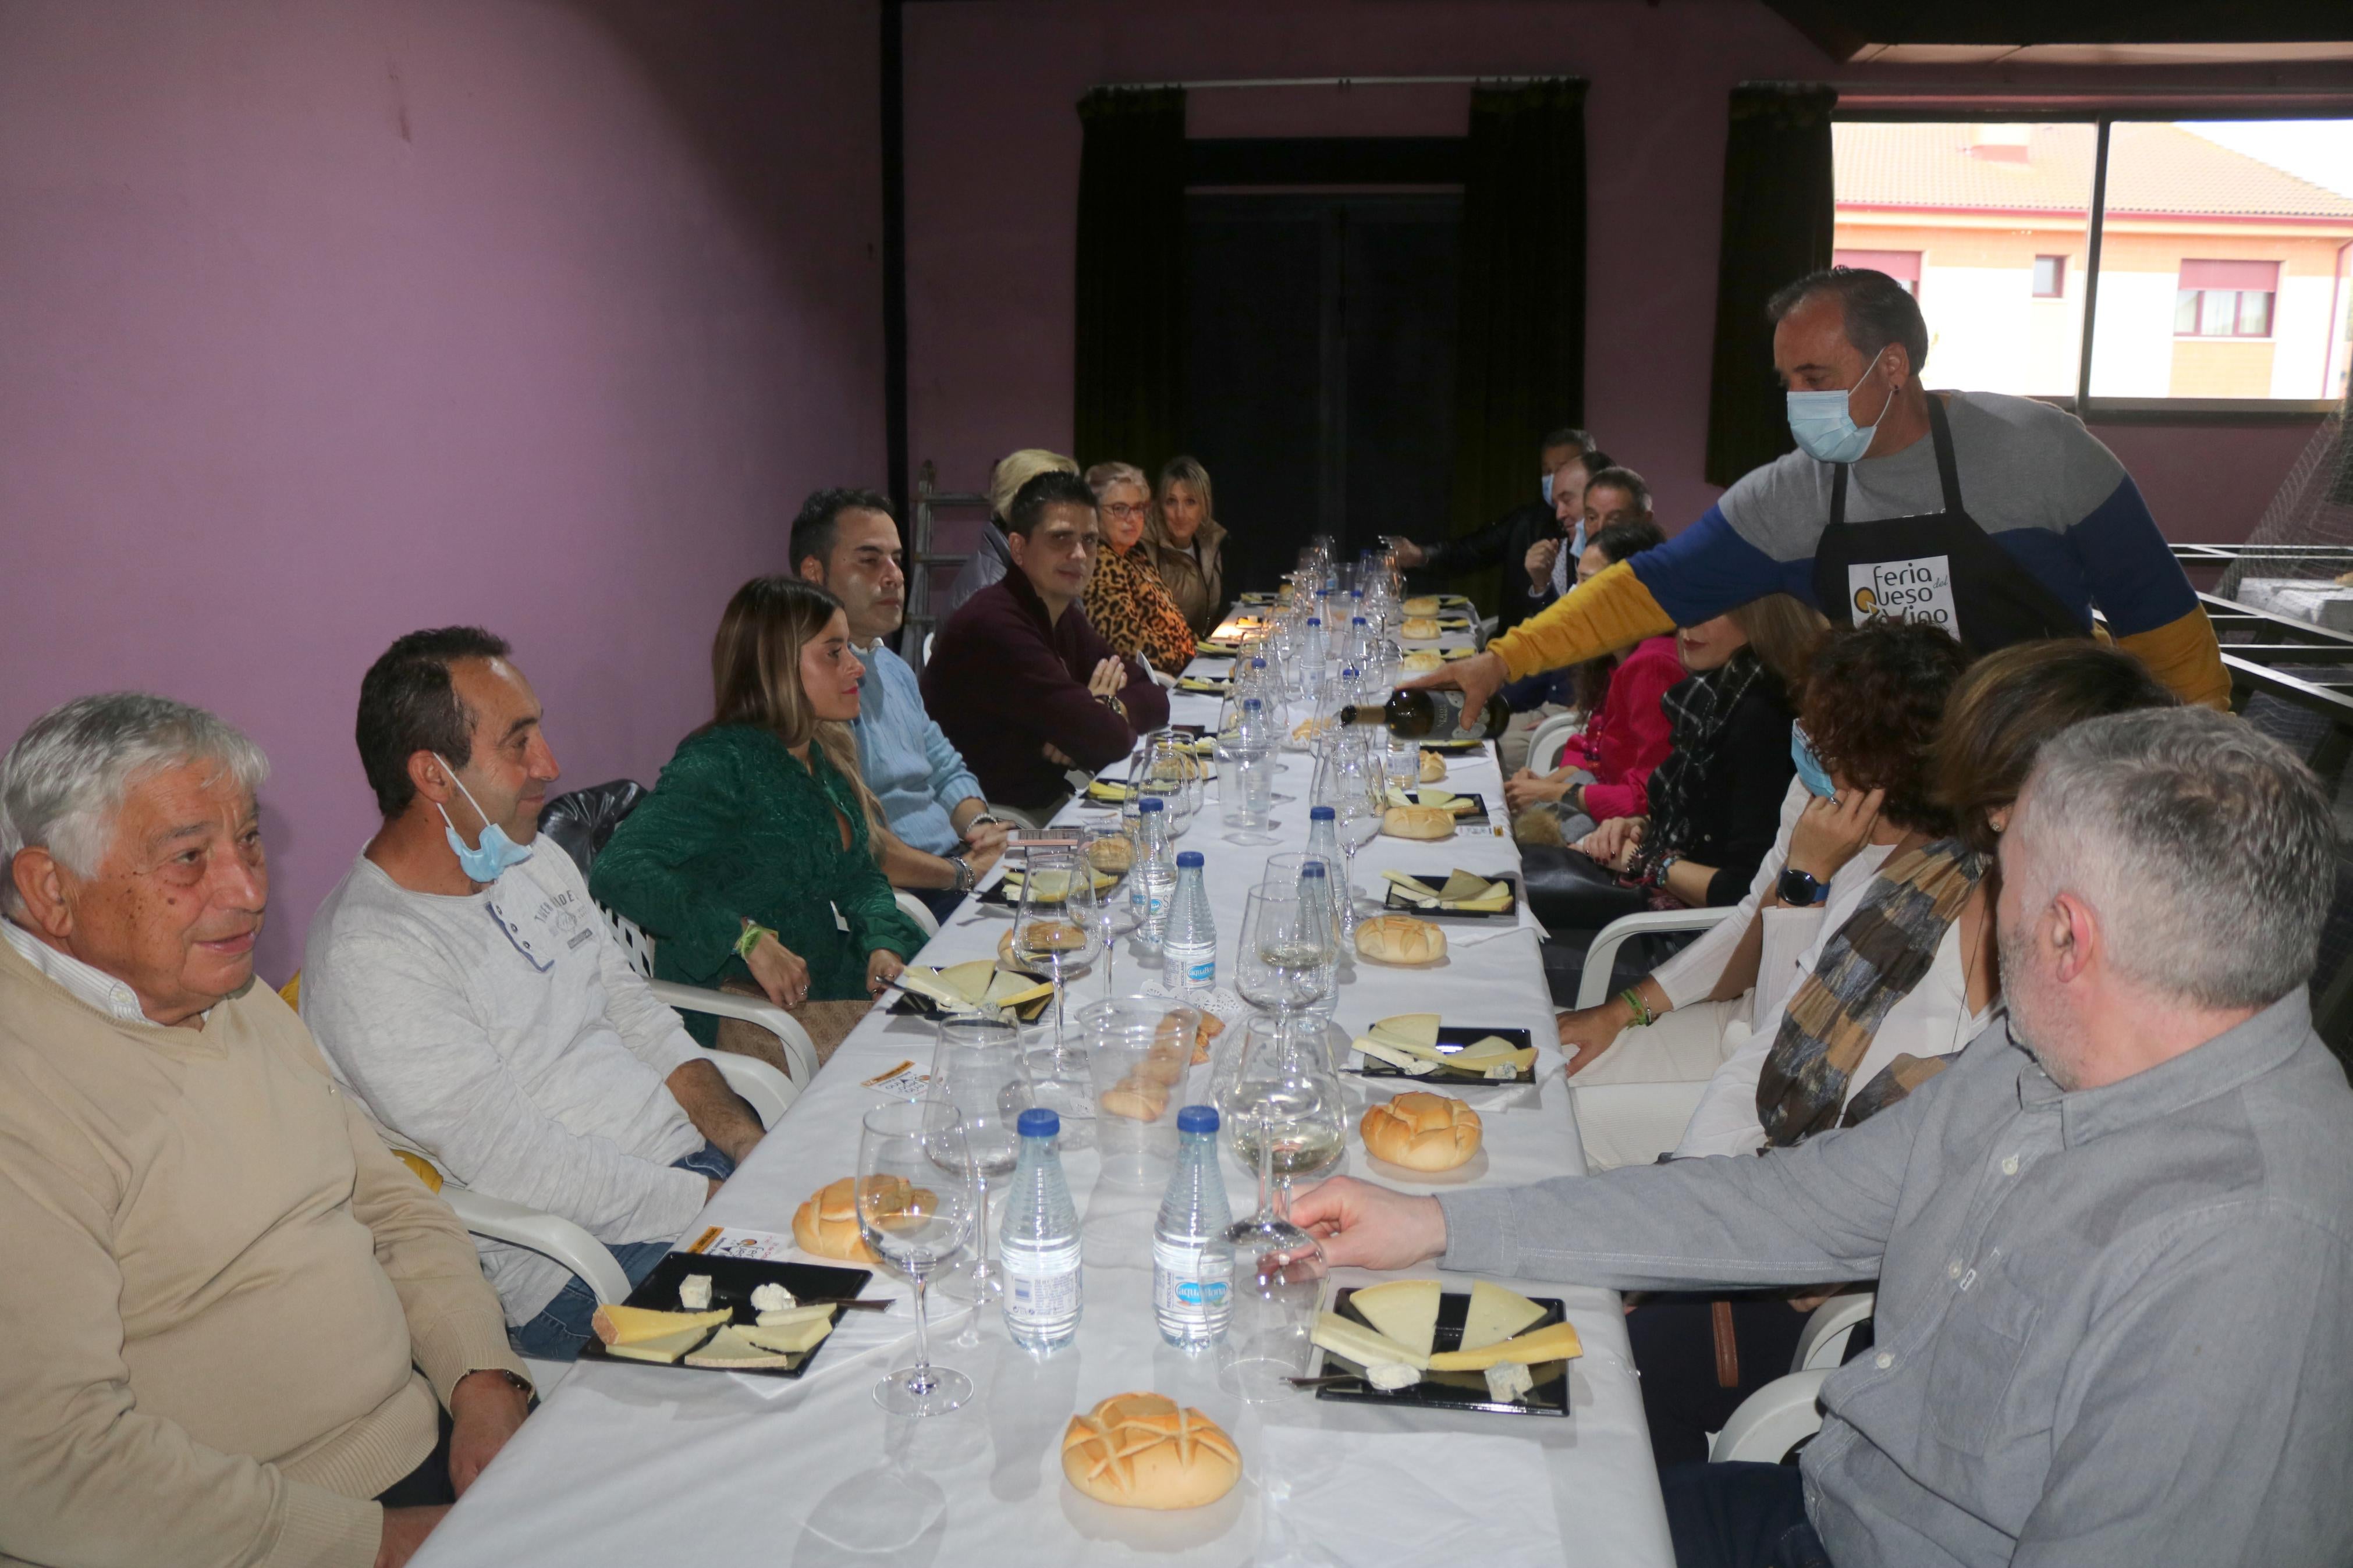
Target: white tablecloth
pixel 638 1465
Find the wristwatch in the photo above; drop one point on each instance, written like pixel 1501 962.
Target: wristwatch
pixel 1800 890
pixel 963 873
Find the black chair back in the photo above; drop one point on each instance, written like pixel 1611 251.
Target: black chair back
pixel 583 820
pixel 2332 976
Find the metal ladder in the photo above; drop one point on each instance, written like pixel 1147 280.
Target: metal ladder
pixel 922 561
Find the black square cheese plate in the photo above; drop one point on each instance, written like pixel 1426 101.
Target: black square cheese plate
pixel 1397 901
pixel 732 1280
pixel 1453 1389
pixel 1452 1038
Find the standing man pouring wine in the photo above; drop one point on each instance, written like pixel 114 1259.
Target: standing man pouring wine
pixel 1999 518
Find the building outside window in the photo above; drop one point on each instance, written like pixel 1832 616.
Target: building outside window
pixel 2221 274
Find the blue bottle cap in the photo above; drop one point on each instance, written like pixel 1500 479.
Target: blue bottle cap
pixel 1250 702
pixel 1197 1119
pixel 1349 673
pixel 1187 857
pixel 1358 621
pixel 1321 814
pixel 1257 661
pixel 1151 803
pixel 1314 620
pixel 1038 1123
pixel 1313 868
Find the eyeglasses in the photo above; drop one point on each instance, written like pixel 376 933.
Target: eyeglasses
pixel 1123 510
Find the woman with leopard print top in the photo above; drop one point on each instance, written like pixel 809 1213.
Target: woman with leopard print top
pixel 1126 600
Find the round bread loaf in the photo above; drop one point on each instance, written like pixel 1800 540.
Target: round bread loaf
pixel 1112 857
pixel 1142 1451
pixel 1418 822
pixel 826 1225
pixel 1417 627
pixel 1433 767
pixel 1421 1132
pixel 1399 939
pixel 1422 660
pixel 1421 604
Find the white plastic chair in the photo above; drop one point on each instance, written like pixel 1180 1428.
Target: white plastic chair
pixel 1550 738
pixel 1644 1120
pixel 800 1051
pixel 1787 1410
pixel 915 910
pixel 1602 956
pixel 1017 816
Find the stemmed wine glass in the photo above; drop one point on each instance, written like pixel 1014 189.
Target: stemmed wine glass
pixel 978 1072
pixel 1288 947
pixel 1356 789
pixel 1111 851
pixel 1290 872
pixel 1057 926
pixel 1284 1111
pixel 915 1210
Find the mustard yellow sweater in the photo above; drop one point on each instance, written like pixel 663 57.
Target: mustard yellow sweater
pixel 217 1286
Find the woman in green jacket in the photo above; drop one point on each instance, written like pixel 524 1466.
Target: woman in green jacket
pixel 761 827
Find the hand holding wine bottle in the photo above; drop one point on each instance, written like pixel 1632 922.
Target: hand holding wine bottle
pixel 1478 678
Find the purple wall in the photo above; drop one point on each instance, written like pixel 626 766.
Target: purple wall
pixel 992 182
pixel 323 322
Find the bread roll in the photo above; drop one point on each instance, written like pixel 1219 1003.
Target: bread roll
pixel 1421 1132
pixel 1421 661
pixel 1399 939
pixel 1433 767
pixel 1113 857
pixel 1418 822
pixel 1417 627
pixel 826 1225
pixel 1421 604
pixel 1140 1450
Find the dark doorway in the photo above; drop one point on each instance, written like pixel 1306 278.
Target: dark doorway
pixel 1319 381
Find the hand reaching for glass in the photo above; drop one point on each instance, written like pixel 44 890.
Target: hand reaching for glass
pixel 1363 1226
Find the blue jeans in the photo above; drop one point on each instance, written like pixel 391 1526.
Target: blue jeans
pixel 562 1326
pixel 1740 1516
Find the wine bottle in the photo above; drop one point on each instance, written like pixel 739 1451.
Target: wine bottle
pixel 1425 712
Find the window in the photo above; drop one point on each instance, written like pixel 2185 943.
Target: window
pixel 2217 269
pixel 2225 299
pixel 1904 266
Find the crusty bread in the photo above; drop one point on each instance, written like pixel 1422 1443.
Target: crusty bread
pixel 1417 627
pixel 1421 604
pixel 1112 856
pixel 826 1225
pixel 1433 767
pixel 1142 1451
pixel 1422 660
pixel 1421 1132
pixel 1418 822
pixel 1399 939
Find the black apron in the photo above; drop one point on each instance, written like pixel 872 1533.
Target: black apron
pixel 1939 567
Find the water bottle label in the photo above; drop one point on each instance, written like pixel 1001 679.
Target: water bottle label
pixel 1198 1287
pixel 1202 972
pixel 1041 1298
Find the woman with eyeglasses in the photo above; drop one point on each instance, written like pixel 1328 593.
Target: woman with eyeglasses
pixel 1126 601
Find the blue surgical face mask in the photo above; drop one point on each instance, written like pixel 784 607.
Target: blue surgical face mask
pixel 1547 490
pixel 495 853
pixel 1810 771
pixel 1824 427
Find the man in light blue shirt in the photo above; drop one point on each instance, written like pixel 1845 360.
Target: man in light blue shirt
pixel 942 836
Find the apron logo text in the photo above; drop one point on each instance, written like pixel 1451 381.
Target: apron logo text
pixel 1919 590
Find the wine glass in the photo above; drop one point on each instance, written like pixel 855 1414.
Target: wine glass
pixel 915 1211
pixel 978 1072
pixel 1282 1109
pixel 1356 789
pixel 1289 873
pixel 1111 851
pixel 1288 948
pixel 1056 926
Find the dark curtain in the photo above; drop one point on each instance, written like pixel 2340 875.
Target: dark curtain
pixel 1779 208
pixel 1130 382
pixel 1520 338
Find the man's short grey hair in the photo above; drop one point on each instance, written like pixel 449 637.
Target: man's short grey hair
pixel 1102 476
pixel 2207 849
pixel 63 782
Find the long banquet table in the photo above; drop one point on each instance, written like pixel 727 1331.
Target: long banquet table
pixel 631 1465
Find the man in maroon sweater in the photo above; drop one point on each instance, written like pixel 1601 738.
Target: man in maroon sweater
pixel 1018 680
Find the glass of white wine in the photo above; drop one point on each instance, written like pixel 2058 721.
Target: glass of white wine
pixel 915 1211
pixel 1283 1108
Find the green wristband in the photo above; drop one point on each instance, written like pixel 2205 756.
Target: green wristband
pixel 1643 1016
pixel 749 940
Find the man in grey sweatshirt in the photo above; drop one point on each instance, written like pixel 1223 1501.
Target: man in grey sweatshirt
pixel 2114 1240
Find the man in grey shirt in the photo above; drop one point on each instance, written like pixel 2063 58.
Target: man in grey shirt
pixel 2114 1241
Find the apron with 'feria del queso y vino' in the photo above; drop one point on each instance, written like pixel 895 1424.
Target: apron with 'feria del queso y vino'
pixel 1939 567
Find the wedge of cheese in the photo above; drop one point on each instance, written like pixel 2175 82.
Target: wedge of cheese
pixel 786 1317
pixel 1495 1315
pixel 1346 1337
pixel 1492 1057
pixel 1405 1061
pixel 619 1325
pixel 1413 1031
pixel 1009 990
pixel 794 1339
pixel 1404 1310
pixel 731 1348
pixel 663 1347
pixel 1554 1341
pixel 1466 890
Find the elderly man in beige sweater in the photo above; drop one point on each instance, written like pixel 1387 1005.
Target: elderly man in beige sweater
pixel 235 1319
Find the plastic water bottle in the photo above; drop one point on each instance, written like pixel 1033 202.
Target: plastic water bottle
pixel 1192 1261
pixel 1039 1242
pixel 1153 879
pixel 1190 946
pixel 1320 886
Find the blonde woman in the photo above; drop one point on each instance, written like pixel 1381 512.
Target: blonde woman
pixel 1183 541
pixel 990 554
pixel 1126 603
pixel 760 827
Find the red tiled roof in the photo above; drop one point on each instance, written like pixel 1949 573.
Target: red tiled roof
pixel 2152 168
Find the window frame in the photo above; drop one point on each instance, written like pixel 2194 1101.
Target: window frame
pixel 2058 290
pixel 2112 409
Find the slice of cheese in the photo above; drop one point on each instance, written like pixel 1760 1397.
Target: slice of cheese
pixel 663 1347
pixel 927 983
pixel 1430 796
pixel 1495 901
pixel 786 1317
pixel 1345 1337
pixel 1464 885
pixel 731 1347
pixel 1398 797
pixel 1508 1383
pixel 1495 1315
pixel 1492 1050
pixel 1404 1060
pixel 1408 1029
pixel 969 979
pixel 619 1325
pixel 1404 1310
pixel 796 1339
pixel 1554 1341
pixel 1007 990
